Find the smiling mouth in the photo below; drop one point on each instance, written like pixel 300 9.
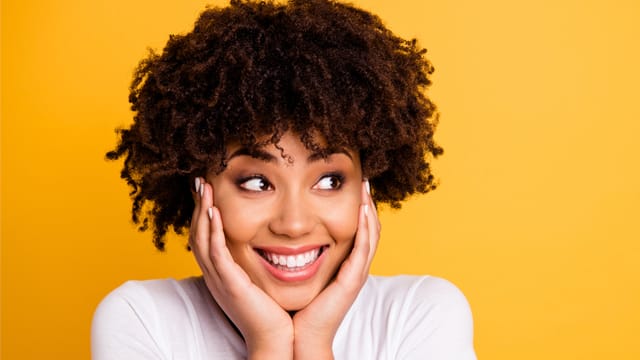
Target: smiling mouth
pixel 292 263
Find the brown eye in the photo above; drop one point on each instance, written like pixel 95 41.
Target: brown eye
pixel 329 182
pixel 256 183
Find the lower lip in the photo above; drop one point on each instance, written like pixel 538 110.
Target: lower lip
pixel 294 275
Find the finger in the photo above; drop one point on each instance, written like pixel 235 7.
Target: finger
pixel 373 224
pixel 355 266
pixel 203 219
pixel 361 245
pixel 229 273
pixel 372 205
pixel 196 210
pixel 219 252
pixel 196 187
pixel 200 229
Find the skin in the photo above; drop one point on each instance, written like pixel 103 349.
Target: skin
pixel 309 201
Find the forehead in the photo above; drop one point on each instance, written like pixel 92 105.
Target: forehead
pixel 289 148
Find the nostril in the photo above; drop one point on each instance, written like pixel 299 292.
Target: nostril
pixel 292 221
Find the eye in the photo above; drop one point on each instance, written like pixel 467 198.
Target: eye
pixel 255 183
pixel 329 182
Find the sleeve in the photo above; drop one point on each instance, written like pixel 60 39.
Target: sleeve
pixel 437 324
pixel 124 326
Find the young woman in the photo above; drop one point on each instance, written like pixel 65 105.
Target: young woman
pixel 271 131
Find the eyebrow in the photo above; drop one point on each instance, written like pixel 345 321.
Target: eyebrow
pixel 256 153
pixel 268 157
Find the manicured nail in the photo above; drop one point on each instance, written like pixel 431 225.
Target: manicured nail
pixel 366 209
pixel 201 190
pixel 368 187
pixel 210 213
pixel 197 183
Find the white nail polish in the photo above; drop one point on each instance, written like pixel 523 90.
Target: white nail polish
pixel 201 191
pixel 368 187
pixel 210 213
pixel 197 183
pixel 366 209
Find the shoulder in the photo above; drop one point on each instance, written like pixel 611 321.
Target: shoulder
pixel 143 298
pixel 153 319
pixel 416 317
pixel 430 295
pixel 435 294
pixel 424 286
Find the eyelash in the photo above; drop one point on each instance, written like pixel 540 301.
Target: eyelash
pixel 339 177
pixel 242 182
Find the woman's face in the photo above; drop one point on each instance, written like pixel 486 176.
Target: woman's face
pixel 289 221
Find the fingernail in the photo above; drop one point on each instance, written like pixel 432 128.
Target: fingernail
pixel 201 190
pixel 366 209
pixel 366 183
pixel 210 213
pixel 197 183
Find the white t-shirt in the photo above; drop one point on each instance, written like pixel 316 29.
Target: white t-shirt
pixel 400 317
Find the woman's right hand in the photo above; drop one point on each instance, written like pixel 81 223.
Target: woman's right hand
pixel 267 329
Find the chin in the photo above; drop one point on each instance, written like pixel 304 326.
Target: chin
pixel 294 299
pixel 293 306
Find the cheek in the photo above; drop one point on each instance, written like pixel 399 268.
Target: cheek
pixel 240 222
pixel 237 233
pixel 341 220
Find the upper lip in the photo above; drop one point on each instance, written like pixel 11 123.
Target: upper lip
pixel 286 250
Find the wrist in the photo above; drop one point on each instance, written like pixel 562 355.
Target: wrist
pixel 269 354
pixel 267 349
pixel 312 349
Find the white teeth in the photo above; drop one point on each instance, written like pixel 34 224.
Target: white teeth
pixel 300 260
pixel 292 261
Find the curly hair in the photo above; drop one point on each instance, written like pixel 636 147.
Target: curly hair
pixel 257 69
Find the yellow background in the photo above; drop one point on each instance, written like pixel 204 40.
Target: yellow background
pixel 536 219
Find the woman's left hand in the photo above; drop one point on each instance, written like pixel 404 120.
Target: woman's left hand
pixel 316 325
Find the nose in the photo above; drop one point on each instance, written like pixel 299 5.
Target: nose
pixel 292 217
